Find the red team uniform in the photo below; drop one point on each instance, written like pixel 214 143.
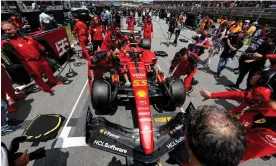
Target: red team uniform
pixel 148 29
pixel 130 23
pixel 82 31
pixel 27 51
pixel 186 67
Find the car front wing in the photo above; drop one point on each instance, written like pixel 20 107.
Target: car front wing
pixel 123 141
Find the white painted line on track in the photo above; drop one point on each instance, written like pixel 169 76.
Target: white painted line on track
pixel 65 130
pixel 74 142
pixel 182 110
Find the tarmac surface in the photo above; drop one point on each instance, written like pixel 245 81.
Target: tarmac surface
pixel 72 101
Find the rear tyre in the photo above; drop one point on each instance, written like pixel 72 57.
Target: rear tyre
pixel 145 44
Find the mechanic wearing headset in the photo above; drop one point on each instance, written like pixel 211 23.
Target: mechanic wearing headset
pixel 18 22
pixel 28 51
pixel 259 120
pixel 103 60
pixel 148 29
pixel 185 63
pixel 130 22
pixel 96 33
pixel 82 31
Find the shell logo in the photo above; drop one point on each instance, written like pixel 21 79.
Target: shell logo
pixel 141 93
pixel 101 131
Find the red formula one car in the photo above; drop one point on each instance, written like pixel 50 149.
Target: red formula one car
pixel 149 86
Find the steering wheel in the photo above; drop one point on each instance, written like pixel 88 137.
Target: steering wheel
pixel 134 55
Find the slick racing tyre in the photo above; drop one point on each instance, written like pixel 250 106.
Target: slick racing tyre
pixel 101 93
pixel 177 90
pixel 161 53
pixel 145 44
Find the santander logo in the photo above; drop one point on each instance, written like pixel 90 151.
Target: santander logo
pixel 271 139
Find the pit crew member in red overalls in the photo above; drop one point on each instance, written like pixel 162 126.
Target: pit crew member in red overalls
pixel 130 22
pixel 259 123
pixel 105 60
pixel 259 120
pixel 7 89
pixel 109 40
pixel 112 37
pixel 148 30
pixel 185 63
pixel 96 33
pixel 82 31
pixel 18 22
pixel 244 96
pixel 28 51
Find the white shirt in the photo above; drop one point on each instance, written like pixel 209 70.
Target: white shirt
pixel 45 18
pixel 33 5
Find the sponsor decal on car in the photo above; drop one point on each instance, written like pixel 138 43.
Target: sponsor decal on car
pixel 111 147
pixel 139 75
pixel 145 119
pixel 271 139
pixel 144 113
pixel 143 102
pixel 60 45
pixel 141 94
pixel 143 108
pixel 146 130
pixel 179 127
pixel 140 83
pixel 175 142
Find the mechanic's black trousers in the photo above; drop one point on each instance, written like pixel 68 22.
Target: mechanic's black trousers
pixel 96 44
pixel 177 33
pixel 243 71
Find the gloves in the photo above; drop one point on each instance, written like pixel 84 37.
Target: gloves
pixel 127 84
pixel 171 70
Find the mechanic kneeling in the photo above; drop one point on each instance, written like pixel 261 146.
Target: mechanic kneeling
pixel 185 63
pixel 103 60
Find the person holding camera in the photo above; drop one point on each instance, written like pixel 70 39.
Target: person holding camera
pixel 231 44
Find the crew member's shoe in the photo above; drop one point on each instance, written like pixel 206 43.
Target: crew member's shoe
pixel 48 90
pixel 194 82
pixel 18 97
pixel 234 86
pixel 9 129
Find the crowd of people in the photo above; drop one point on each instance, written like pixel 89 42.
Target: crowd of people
pixel 214 136
pixel 218 4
